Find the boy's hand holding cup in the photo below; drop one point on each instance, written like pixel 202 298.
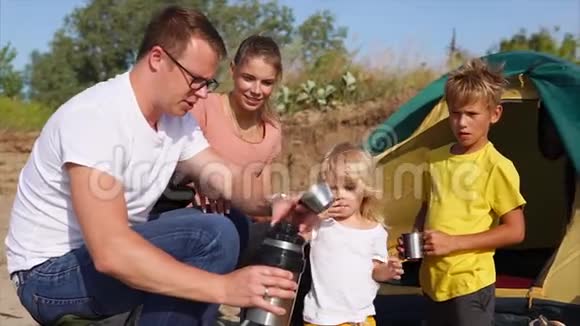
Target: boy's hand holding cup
pixel 415 245
pixel 438 243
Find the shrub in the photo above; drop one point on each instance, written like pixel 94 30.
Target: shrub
pixel 22 116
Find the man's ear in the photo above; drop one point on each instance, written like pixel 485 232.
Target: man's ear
pixel 496 113
pixel 154 58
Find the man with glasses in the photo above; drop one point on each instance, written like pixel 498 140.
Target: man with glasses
pixel 80 241
pixel 196 82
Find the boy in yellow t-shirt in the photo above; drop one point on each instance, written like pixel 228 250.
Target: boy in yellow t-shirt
pixel 472 204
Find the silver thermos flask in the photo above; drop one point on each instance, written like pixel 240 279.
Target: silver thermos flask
pixel 283 247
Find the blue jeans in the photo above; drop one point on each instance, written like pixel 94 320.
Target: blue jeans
pixel 70 284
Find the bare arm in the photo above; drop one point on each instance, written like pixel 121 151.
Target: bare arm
pixel 122 253
pixel 510 231
pixel 262 187
pixel 218 178
pixel 256 187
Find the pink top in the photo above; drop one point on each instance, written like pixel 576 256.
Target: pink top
pixel 222 135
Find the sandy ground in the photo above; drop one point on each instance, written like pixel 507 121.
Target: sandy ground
pixel 11 311
pixel 14 149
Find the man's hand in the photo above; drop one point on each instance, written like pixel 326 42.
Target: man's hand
pixel 251 286
pixel 291 209
pixel 391 270
pixel 437 243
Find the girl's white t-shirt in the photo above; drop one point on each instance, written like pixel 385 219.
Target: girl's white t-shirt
pixel 341 260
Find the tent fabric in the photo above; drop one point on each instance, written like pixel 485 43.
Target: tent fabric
pixel 523 89
pixel 562 282
pixel 557 82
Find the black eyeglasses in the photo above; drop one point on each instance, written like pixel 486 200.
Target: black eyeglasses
pixel 196 82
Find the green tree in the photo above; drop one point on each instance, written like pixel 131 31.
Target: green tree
pixel 101 39
pixel 544 41
pixel 11 81
pixel 238 21
pixel 319 34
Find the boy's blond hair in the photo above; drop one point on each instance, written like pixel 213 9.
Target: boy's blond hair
pixel 476 80
pixel 347 163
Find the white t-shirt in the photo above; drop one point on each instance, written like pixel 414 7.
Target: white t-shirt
pixel 341 260
pixel 103 128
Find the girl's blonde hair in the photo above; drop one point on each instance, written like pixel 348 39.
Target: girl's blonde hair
pixel 347 163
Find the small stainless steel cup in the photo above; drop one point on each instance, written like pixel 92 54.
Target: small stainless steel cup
pixel 318 197
pixel 413 245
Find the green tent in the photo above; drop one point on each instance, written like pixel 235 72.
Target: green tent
pixel 540 132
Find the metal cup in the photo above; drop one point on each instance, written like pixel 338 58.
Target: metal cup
pixel 413 245
pixel 318 197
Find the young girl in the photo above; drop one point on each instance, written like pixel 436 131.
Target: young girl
pixel 348 249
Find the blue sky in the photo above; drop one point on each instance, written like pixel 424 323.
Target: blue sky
pixel 420 29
